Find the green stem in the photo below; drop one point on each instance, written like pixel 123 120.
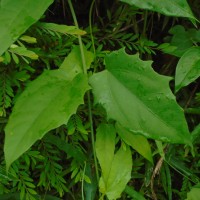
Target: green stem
pixel 145 23
pixel 82 185
pixel 88 93
pixel 79 37
pixel 90 25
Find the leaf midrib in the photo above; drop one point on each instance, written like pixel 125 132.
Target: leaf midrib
pixel 138 99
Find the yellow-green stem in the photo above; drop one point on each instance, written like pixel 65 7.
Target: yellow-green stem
pixel 88 93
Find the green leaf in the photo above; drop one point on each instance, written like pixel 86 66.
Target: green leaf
pixel 90 189
pixel 196 134
pixel 1 59
pixel 22 51
pixel 28 39
pixel 47 103
pixel 137 142
pixel 105 147
pixel 193 194
pixel 115 173
pixel 181 39
pixel 73 62
pixel 177 8
pixel 139 98
pixel 60 28
pixel 134 194
pixel 188 68
pixel 69 149
pixel 16 17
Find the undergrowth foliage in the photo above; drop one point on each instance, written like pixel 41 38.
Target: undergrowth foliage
pixel 99 101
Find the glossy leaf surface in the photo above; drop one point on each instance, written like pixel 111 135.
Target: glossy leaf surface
pixel 188 68
pixel 139 98
pixel 178 8
pixel 47 103
pixel 115 173
pixel 16 17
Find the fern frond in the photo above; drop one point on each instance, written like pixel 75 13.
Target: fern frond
pixel 6 92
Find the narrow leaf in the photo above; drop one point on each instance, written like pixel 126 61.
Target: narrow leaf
pixel 132 193
pixel 139 98
pixel 16 17
pixel 60 28
pixel 28 39
pixel 22 51
pixel 47 103
pixel 188 68
pixel 120 174
pixel 105 147
pixel 137 142
pixel 177 8
pixel 115 173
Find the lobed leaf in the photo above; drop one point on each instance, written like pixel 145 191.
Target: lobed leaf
pixel 181 39
pixel 139 98
pixel 47 103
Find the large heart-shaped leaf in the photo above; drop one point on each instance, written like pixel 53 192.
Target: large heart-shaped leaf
pixel 179 8
pixel 139 98
pixel 188 68
pixel 115 173
pixel 47 103
pixel 16 17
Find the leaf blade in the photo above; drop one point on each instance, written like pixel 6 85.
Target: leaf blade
pixel 115 174
pixel 188 68
pixel 16 17
pixel 179 8
pixel 120 173
pixel 149 109
pixel 41 107
pixel 137 142
pixel 105 147
pixel 61 28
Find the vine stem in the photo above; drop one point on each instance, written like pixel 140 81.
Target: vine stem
pixel 88 93
pixel 145 22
